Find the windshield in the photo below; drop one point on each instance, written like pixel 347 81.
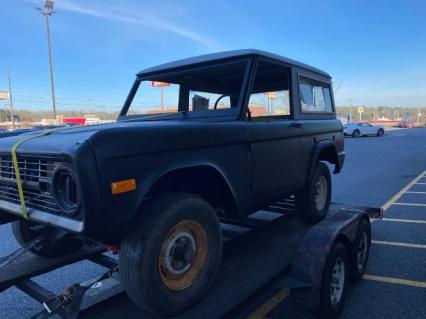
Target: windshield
pixel 211 90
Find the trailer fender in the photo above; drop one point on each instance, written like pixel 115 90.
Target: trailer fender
pixel 315 247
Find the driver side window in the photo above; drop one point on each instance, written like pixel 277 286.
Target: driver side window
pixel 203 101
pixel 270 96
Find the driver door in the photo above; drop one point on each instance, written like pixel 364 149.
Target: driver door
pixel 275 142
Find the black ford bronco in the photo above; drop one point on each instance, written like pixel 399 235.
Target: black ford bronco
pixel 218 135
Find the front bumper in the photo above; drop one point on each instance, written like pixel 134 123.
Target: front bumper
pixel 39 216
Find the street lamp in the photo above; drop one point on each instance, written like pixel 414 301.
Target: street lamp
pixel 48 11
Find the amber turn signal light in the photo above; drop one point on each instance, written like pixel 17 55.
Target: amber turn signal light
pixel 124 186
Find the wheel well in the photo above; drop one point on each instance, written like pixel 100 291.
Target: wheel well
pixel 328 154
pixel 204 181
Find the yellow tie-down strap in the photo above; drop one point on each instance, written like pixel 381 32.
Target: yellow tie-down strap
pixel 16 167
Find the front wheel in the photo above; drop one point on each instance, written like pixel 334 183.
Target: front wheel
pixel 356 133
pixel 170 259
pixel 313 200
pixel 380 132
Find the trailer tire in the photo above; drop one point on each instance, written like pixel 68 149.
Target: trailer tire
pixel 169 260
pixel 334 282
pixel 360 250
pixel 24 231
pixel 313 201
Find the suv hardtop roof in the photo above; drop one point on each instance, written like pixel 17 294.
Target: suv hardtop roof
pixel 226 55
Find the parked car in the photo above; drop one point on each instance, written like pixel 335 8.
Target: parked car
pixel 406 124
pixel 362 129
pixel 238 130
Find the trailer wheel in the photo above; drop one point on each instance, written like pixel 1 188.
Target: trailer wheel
pixel 334 282
pixel 169 260
pixel 313 200
pixel 24 231
pixel 360 251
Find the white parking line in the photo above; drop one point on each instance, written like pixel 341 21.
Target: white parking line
pixel 393 243
pixel 402 191
pixel 411 192
pixel 401 220
pixel 409 204
pixel 419 183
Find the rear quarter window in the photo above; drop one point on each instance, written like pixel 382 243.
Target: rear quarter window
pixel 315 97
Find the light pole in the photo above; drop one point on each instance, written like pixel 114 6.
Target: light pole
pixel 10 98
pixel 48 11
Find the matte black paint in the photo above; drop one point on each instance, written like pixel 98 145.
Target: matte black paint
pixel 257 161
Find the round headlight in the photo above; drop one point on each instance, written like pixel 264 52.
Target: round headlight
pixel 65 190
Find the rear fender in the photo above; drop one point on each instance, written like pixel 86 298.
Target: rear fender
pixel 315 155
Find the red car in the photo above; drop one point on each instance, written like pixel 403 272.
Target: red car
pixel 406 124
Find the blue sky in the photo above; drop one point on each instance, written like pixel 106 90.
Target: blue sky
pixel 375 50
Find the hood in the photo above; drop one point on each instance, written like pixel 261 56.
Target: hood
pixel 54 141
pixel 129 138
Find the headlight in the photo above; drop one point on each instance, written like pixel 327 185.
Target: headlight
pixel 65 190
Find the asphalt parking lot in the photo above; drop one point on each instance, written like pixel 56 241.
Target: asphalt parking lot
pixel 389 171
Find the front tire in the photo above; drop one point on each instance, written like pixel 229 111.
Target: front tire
pixel 25 231
pixel 170 259
pixel 380 132
pixel 356 133
pixel 313 201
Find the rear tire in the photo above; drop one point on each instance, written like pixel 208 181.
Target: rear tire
pixel 334 282
pixel 360 251
pixel 356 134
pixel 25 231
pixel 313 201
pixel 170 259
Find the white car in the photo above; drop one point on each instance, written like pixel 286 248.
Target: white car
pixel 363 129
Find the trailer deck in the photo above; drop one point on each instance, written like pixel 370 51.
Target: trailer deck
pixel 267 240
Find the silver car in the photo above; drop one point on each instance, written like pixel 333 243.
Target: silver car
pixel 363 129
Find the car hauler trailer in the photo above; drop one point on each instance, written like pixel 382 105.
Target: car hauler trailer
pixel 315 261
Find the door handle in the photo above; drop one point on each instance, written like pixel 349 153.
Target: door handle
pixel 298 125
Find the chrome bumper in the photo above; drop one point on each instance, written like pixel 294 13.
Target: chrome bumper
pixel 43 217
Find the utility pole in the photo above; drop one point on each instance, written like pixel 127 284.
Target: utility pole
pixel 48 11
pixel 10 98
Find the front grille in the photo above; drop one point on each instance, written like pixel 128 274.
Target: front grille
pixel 36 175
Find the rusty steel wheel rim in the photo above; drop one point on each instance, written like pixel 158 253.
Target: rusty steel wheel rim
pixel 183 255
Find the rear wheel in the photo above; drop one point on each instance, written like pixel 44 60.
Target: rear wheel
pixel 171 257
pixel 25 231
pixel 334 282
pixel 380 132
pixel 313 200
pixel 356 133
pixel 360 251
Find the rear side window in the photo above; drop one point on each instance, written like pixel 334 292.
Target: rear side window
pixel 315 97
